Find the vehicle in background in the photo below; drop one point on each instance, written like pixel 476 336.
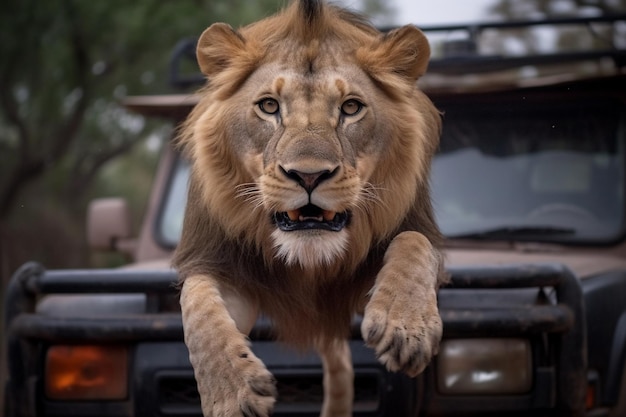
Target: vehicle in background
pixel 528 187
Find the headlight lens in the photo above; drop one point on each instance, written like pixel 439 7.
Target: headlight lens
pixel 86 372
pixel 484 366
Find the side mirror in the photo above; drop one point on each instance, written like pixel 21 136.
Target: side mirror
pixel 109 225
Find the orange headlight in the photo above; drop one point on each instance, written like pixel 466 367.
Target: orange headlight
pixel 77 372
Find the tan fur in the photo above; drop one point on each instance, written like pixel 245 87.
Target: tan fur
pixel 338 379
pixel 234 261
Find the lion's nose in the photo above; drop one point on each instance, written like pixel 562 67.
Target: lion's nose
pixel 309 181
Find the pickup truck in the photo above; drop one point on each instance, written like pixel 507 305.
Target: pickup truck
pixel 529 189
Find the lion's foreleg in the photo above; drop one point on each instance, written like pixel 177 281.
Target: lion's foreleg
pixel 232 381
pixel 401 320
pixel 338 379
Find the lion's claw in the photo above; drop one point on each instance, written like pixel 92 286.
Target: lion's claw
pixel 257 396
pixel 258 393
pixel 265 387
pixel 243 388
pixel 404 333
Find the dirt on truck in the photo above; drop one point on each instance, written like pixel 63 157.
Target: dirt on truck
pixel 528 187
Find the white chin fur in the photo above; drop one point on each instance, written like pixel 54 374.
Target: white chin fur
pixel 310 248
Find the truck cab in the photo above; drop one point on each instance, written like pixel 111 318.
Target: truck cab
pixel 528 187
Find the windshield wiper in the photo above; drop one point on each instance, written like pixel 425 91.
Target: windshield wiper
pixel 516 232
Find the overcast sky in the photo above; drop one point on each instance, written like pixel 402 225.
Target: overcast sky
pixel 429 12
pixel 433 12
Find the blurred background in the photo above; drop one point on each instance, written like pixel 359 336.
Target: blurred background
pixel 65 67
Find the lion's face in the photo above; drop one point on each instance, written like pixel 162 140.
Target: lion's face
pixel 313 149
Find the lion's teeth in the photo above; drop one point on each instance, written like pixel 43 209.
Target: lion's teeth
pixel 294 215
pixel 328 215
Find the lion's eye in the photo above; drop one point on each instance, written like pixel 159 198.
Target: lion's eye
pixel 268 105
pixel 351 107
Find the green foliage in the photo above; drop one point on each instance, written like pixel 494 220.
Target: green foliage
pixel 65 67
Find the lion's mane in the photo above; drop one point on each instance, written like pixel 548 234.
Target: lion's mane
pixel 229 237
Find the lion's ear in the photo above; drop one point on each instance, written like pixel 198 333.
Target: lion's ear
pixel 403 51
pixel 217 47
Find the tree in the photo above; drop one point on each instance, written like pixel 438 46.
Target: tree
pixel 563 38
pixel 538 8
pixel 65 66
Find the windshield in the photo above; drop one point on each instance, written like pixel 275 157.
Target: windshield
pixel 531 170
pixel 170 221
pixel 527 169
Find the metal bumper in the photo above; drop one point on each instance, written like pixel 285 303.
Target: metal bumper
pixel 561 318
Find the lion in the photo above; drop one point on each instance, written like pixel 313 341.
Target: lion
pixel 308 202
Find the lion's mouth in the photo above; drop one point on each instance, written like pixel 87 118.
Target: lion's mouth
pixel 311 217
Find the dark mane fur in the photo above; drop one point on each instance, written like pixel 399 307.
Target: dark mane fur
pixel 311 10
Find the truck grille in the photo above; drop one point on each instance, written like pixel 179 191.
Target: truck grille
pixel 177 391
pixel 299 393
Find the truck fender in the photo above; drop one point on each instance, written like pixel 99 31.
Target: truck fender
pixel 617 368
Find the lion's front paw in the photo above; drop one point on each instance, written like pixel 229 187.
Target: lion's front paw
pixel 404 330
pixel 242 387
pixel 258 394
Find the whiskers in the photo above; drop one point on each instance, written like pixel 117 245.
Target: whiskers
pixel 251 194
pixel 369 196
